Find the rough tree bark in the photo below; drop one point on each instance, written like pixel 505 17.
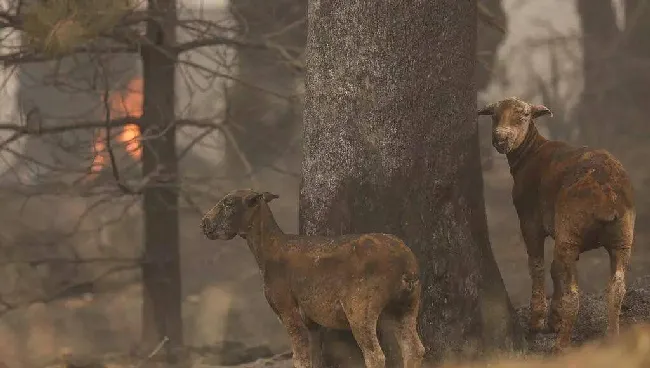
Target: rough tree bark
pixel 390 145
pixel 161 312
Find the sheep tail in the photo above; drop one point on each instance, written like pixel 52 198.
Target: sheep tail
pixel 410 282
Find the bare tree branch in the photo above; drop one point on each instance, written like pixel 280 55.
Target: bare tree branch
pixel 36 261
pixel 83 125
pixel 108 138
pixel 24 57
pixel 8 307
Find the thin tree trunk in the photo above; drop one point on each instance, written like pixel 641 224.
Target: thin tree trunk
pixel 637 25
pixel 488 41
pixel 637 48
pixel 161 276
pixel 390 145
pixel 264 124
pixel 600 37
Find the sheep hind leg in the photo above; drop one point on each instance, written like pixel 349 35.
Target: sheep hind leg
pixel 566 255
pixel 316 345
pixel 408 338
pixel 554 317
pixel 534 240
pixel 403 314
pixel 619 261
pixel 298 336
pixel 363 323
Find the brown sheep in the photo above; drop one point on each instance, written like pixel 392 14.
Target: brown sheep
pixel 581 197
pixel 343 282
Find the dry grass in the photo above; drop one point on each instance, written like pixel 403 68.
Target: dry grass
pixel 630 350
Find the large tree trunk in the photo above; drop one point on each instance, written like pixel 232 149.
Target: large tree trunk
pixel 161 312
pixel 390 145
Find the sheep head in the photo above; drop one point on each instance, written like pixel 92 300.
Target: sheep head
pixel 511 119
pixel 231 215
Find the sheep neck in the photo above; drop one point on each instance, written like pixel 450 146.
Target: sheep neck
pixel 261 232
pixel 532 141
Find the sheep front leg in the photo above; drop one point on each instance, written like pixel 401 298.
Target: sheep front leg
pixel 316 345
pixel 619 261
pixel 298 336
pixel 556 276
pixel 289 315
pixel 566 255
pixel 363 323
pixel 534 239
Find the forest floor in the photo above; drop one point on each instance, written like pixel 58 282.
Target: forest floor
pixel 631 350
pixel 590 349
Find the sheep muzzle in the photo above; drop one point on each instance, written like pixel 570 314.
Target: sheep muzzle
pixel 503 139
pixel 501 146
pixel 214 227
pixel 231 216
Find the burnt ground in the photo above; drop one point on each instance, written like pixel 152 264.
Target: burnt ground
pixel 592 317
pixel 590 326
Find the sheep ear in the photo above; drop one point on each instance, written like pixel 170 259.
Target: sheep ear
pixel 268 197
pixel 540 110
pixel 487 110
pixel 252 199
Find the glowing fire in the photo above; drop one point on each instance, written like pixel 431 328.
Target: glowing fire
pixel 126 103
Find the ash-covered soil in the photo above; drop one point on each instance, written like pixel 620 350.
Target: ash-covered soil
pixel 592 317
pixel 590 326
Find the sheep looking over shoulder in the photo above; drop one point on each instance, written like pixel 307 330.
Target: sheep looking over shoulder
pixel 581 197
pixel 343 282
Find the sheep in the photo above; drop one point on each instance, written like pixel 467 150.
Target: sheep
pixel 581 197
pixel 343 282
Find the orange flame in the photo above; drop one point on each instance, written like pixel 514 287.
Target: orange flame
pixel 127 103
